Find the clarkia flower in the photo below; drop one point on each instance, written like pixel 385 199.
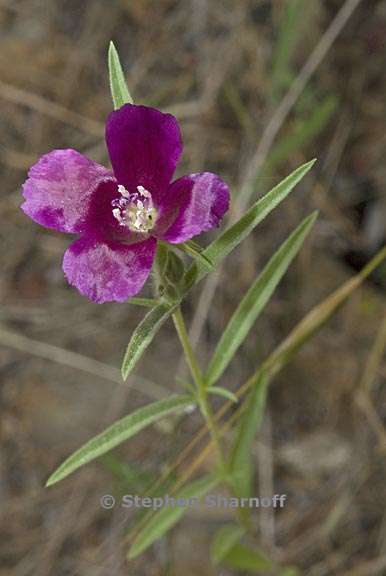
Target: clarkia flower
pixel 120 214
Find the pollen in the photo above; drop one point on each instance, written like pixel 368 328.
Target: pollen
pixel 135 210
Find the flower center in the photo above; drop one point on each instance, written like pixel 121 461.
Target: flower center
pixel 135 210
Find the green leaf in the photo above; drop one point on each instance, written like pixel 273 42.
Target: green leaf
pixel 301 132
pixel 119 432
pixel 161 259
pixel 240 461
pixel 288 37
pixel 318 316
pixel 196 252
pixel 224 541
pixel 233 236
pixel 119 91
pixel 128 474
pixel 187 385
pixel 312 322
pixel 223 392
pixel 164 519
pixel 255 299
pixel 242 557
pixel 144 334
pixel 146 302
pixel 174 269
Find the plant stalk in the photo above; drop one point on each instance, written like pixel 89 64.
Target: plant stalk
pixel 199 381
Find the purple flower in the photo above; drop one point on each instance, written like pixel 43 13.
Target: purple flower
pixel 120 215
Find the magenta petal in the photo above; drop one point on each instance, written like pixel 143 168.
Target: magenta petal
pixel 200 201
pixel 59 188
pixel 144 146
pixel 107 271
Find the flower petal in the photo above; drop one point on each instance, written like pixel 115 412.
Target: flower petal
pixel 107 271
pixel 144 146
pixel 200 201
pixel 100 220
pixel 58 190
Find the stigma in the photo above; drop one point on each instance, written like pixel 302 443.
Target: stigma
pixel 135 210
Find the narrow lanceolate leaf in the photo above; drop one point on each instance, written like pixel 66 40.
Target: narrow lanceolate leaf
pixel 318 316
pixel 312 322
pixel 167 517
pixel 255 300
pixel 143 335
pixel 290 27
pixel 197 253
pixel 119 91
pixel 302 132
pixel 240 461
pixel 224 541
pixel 119 432
pixel 233 236
pixel 146 302
pixel 243 558
pixel 129 474
pixel 223 392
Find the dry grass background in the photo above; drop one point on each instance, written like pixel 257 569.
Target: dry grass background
pixel 323 441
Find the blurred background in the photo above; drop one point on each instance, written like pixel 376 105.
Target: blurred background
pixel 259 87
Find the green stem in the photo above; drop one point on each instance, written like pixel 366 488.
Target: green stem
pixel 206 411
pixel 200 384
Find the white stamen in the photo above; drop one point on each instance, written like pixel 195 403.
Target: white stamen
pixel 117 213
pixel 123 192
pixel 135 210
pixel 143 192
